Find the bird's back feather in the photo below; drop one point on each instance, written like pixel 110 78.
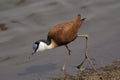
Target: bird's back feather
pixel 64 33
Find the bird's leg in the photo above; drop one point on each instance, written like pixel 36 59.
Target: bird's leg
pixel 86 53
pixel 67 59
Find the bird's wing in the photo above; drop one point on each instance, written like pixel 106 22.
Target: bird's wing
pixel 66 32
pixel 62 33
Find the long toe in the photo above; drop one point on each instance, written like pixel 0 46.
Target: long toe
pixel 63 68
pixel 80 67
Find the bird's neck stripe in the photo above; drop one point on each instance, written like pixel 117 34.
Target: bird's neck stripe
pixel 53 44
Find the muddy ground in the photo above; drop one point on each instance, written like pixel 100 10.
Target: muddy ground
pixel 109 72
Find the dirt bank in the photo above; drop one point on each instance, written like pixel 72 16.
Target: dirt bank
pixel 109 72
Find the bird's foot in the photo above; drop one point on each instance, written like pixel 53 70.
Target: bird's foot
pixel 63 69
pixel 80 67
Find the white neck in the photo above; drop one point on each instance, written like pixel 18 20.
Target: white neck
pixel 44 46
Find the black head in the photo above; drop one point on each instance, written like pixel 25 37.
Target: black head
pixel 40 45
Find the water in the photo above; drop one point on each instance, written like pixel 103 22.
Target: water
pixel 31 20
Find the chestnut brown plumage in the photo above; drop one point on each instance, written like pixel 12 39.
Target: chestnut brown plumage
pixel 61 35
pixel 66 32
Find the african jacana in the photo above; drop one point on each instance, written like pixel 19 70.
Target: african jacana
pixel 61 35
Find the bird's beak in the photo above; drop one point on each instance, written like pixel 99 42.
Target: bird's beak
pixel 83 19
pixel 33 52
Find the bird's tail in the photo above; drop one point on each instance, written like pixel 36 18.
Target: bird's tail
pixel 83 19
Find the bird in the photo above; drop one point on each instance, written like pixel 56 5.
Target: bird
pixel 61 35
